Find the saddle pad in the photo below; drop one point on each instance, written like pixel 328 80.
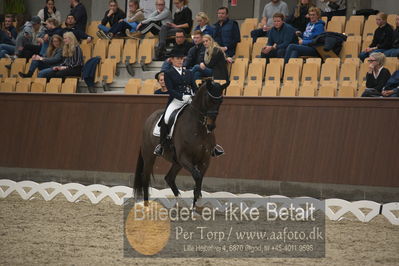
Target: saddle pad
pixel 157 129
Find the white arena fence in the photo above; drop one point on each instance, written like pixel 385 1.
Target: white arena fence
pixel 96 193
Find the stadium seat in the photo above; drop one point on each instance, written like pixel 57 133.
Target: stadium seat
pixel 87 50
pixel 255 73
pixel 234 89
pixel 316 61
pixel 146 51
pixel 369 27
pixel 23 85
pixel 298 61
pixel 273 74
pixel 355 60
pixel 340 19
pixel 114 52
pixel 3 70
pixel 262 40
pixel 239 70
pixel 17 66
pixel 253 21
pixel 270 89
pixel 334 61
pixel 149 86
pixel 93 28
pixel 54 85
pixel 292 73
pixel 246 29
pixel 350 49
pixel 289 89
pixel 335 26
pixel 347 89
pixel 38 85
pixel 8 85
pixel 107 71
pixel 327 89
pixel 277 61
pixel 252 89
pixel 69 85
pixel 328 73
pixel 325 54
pixel 353 28
pixel 362 75
pixel 133 86
pixel 262 62
pixel 391 66
pixel 257 50
pixel 310 73
pixel 348 73
pixel 243 50
pixel 366 42
pixel 130 52
pixel 308 90
pixel 358 18
pixel 101 49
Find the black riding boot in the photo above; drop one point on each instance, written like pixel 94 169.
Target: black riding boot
pixel 162 139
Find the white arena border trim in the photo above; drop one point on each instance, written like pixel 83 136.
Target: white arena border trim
pixel 96 193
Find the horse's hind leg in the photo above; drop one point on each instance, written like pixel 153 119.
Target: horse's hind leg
pixel 171 177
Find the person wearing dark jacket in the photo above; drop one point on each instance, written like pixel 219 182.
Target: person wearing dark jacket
pixel 182 20
pixel 299 18
pixel 73 60
pixel 160 77
pixel 227 32
pixel 70 23
pixel 8 37
pixel 391 88
pixel 280 36
pixel 196 53
pixel 394 51
pixel 182 46
pixel 53 57
pixel 52 28
pixel 78 10
pixel 383 37
pixel 214 63
pixel 314 28
pixel 377 76
pixel 112 16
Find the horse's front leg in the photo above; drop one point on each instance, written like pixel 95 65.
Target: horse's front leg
pixel 171 177
pixel 198 175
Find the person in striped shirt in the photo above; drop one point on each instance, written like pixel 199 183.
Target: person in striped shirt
pixel 73 60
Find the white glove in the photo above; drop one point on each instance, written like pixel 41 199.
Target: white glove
pixel 187 99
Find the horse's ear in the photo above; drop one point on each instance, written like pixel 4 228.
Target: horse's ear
pixel 224 86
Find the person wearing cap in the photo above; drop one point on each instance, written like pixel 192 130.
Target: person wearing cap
pixel 27 40
pixel 181 86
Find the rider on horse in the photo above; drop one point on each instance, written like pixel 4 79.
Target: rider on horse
pixel 181 86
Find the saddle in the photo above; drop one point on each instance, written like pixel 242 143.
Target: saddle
pixel 171 123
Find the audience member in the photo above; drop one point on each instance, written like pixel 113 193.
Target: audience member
pixel 299 18
pixel 49 11
pixel 73 60
pixel 129 24
pixel 8 37
pixel 53 57
pixel 203 24
pixel 275 6
pixel 27 40
pixel 377 76
pixel 227 32
pixel 382 39
pixel 182 20
pixel 280 36
pixel 391 88
pixel 160 77
pixel 314 28
pixel 161 16
pixel 78 10
pixel 330 8
pixel 196 53
pixel 394 51
pixel 112 16
pixel 70 23
pixel 214 63
pixel 182 46
pixel 52 28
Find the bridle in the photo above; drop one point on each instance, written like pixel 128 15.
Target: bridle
pixel 204 115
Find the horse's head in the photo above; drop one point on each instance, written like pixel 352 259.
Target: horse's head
pixel 208 100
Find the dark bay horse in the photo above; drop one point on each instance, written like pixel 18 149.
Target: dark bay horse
pixel 193 141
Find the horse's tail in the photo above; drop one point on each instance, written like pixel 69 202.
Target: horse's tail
pixel 138 186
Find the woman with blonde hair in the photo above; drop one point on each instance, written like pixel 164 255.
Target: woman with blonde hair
pixel 203 24
pixel 382 39
pixel 53 57
pixel 73 60
pixel 299 18
pixel 214 63
pixel 377 76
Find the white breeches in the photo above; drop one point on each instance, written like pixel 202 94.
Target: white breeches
pixel 174 104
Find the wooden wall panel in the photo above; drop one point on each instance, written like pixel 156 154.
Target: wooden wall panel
pixel 339 141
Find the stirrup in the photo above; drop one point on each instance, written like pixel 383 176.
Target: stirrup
pixel 217 151
pixel 158 150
